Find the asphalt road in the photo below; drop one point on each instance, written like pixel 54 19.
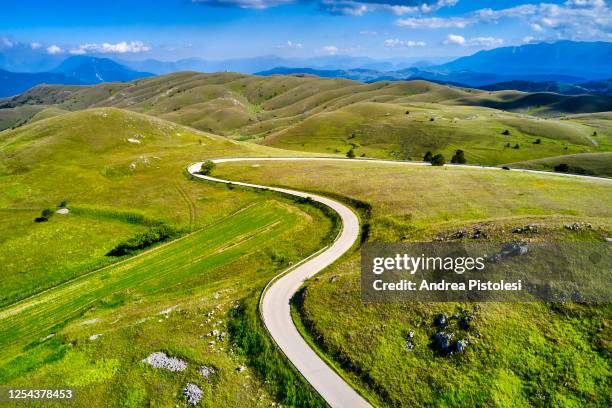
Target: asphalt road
pixel 275 302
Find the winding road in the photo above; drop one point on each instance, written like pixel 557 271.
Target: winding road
pixel 275 307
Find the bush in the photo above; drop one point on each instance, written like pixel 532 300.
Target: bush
pixel 143 240
pixel 538 141
pixel 207 167
pixel 438 160
pixel 516 146
pixel 350 154
pixel 427 157
pixel 506 132
pixel 459 157
pixel 562 168
pixel 44 215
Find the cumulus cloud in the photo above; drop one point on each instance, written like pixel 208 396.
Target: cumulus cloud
pixel 368 33
pixel 397 43
pixel 344 7
pixel 486 42
pixel 329 50
pixel 433 22
pixel 290 44
pixel 6 43
pixel 54 49
pixel 573 19
pixel 35 45
pixel 108 48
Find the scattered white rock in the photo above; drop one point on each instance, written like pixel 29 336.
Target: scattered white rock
pixel 49 336
pixel 62 211
pixel 132 140
pixel 159 359
pixel 193 394
pixel 90 322
pixel 168 310
pixel 241 368
pixel 207 371
pixel 95 337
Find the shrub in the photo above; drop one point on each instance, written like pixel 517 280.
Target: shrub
pixel 459 157
pixel 438 160
pixel 143 240
pixel 427 157
pixel 538 141
pixel 44 215
pixel 506 132
pixel 350 154
pixel 516 146
pixel 508 144
pixel 562 168
pixel 207 167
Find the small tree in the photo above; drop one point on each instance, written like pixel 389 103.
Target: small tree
pixel 350 154
pixel 438 160
pixel 459 157
pixel 537 141
pixel 508 144
pixel 516 146
pixel 44 215
pixel 427 157
pixel 506 132
pixel 207 167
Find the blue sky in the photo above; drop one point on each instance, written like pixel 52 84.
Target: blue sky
pixel 219 29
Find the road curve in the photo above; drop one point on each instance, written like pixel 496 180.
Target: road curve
pixel 275 302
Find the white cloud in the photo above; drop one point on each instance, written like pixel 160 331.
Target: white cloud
pixel 107 48
pixel 6 43
pixel 574 19
pixel 455 39
pixel 486 42
pixel 330 50
pixel 54 49
pixel 433 22
pixel 35 45
pixel 368 33
pixel 290 44
pixel 528 39
pixel 344 7
pixel 397 43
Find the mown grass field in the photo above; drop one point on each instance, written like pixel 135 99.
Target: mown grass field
pixel 530 354
pixel 70 315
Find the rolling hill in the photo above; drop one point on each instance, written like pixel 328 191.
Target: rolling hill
pixel 391 119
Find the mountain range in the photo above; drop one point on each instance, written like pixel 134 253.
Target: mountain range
pixel 76 70
pixel 567 67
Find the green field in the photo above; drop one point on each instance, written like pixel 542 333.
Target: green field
pixel 59 287
pixel 524 354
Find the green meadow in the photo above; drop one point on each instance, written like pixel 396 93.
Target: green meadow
pixel 71 315
pixel 529 354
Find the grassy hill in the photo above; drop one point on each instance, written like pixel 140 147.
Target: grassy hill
pixel 70 313
pixel 390 119
pixel 598 164
pixel 536 354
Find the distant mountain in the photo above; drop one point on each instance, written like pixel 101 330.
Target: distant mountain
pixel 269 62
pixel 13 83
pixel 92 70
pixel 358 74
pixel 592 87
pixel 583 60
